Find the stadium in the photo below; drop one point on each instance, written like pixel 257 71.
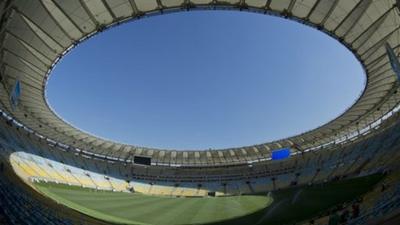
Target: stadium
pixel 51 172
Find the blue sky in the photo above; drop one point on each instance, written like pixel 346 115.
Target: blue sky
pixel 200 80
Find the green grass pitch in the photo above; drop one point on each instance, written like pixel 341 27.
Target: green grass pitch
pixel 279 207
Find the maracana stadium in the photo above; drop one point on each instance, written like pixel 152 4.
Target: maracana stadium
pixel 346 171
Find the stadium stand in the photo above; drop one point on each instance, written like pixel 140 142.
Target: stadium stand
pixel 44 163
pixel 20 204
pixel 372 208
pixel 38 147
pixel 35 160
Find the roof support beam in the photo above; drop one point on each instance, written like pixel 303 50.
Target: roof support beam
pixel 56 21
pixel 378 44
pixel 136 11
pixel 313 8
pixel 35 28
pixel 109 9
pixel 89 13
pixel 333 7
pixel 352 17
pixel 371 29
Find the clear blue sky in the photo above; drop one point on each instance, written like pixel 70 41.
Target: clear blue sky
pixel 210 79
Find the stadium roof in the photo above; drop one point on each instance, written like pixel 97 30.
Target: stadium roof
pixel 34 35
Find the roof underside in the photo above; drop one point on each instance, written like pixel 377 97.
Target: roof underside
pixel 35 34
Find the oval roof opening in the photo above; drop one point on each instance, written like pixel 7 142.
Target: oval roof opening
pixel 207 79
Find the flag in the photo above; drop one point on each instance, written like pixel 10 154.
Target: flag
pixel 15 95
pixel 394 60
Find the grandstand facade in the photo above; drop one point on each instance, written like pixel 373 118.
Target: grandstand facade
pixel 39 146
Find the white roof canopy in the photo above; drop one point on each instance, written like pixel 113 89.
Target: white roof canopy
pixel 35 34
